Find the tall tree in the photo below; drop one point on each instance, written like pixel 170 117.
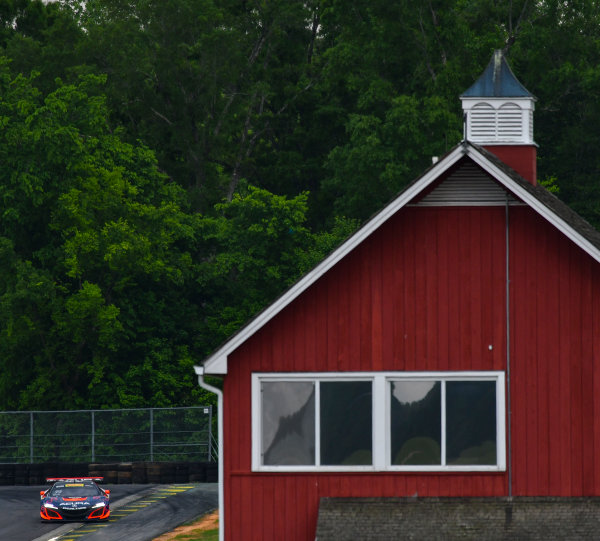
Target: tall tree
pixel 557 52
pixel 203 82
pixel 112 287
pixel 42 37
pixel 95 247
pixel 150 209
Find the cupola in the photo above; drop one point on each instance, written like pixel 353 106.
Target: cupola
pixel 498 112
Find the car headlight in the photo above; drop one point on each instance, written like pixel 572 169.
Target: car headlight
pixel 50 506
pixel 101 504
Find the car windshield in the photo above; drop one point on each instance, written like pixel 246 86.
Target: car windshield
pixel 79 491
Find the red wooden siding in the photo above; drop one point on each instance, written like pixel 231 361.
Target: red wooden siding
pixel 409 299
pixel 275 507
pixel 428 292
pixel 555 361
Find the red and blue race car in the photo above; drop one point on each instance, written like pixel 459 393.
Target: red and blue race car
pixel 74 499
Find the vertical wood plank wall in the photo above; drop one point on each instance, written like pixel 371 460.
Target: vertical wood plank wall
pixel 427 291
pixel 555 361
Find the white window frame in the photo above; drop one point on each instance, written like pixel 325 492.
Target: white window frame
pixel 381 411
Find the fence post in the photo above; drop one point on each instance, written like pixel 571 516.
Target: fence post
pixel 151 435
pixel 31 437
pixel 93 437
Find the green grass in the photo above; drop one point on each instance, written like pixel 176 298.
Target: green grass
pixel 206 535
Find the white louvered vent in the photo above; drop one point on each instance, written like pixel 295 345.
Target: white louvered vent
pixel 487 124
pixel 467 186
pixel 510 121
pixel 483 122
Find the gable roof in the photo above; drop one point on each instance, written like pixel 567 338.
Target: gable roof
pixel 537 197
pixel 497 81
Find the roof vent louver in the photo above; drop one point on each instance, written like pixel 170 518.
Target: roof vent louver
pixel 467 186
pixel 483 122
pixel 510 121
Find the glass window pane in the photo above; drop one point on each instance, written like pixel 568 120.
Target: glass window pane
pixel 346 423
pixel 471 422
pixel 416 422
pixel 288 423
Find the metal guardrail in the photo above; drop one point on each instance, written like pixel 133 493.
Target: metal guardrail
pixel 112 435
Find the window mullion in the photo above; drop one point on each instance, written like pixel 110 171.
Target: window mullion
pixel 381 423
pixel 443 419
pixel 317 423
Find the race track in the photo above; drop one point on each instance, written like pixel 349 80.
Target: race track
pixel 138 513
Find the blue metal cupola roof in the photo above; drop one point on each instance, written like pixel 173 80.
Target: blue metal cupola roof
pixel 497 81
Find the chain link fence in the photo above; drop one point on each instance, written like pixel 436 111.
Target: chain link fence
pixel 117 435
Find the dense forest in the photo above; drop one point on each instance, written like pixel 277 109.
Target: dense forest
pixel 168 167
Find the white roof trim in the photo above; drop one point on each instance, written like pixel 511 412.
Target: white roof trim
pixel 217 362
pixel 534 203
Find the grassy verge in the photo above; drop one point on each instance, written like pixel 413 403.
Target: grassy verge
pixel 204 529
pixel 204 535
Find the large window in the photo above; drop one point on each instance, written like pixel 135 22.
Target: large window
pixel 295 432
pixel 441 422
pixel 434 421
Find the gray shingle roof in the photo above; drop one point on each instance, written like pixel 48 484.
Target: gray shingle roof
pixel 549 200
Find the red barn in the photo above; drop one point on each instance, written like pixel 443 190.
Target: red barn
pixel 448 349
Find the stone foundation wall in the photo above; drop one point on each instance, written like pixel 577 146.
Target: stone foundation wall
pixel 481 519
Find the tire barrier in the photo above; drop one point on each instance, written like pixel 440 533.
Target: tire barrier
pixel 113 473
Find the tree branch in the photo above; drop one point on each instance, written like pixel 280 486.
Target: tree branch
pixel 513 33
pixel 425 50
pixel 161 116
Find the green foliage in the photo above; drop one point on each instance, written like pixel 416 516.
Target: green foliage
pixel 204 83
pixel 171 166
pixel 559 52
pixel 114 288
pixel 550 184
pixel 96 242
pixel 40 36
pixel 384 154
pixel 255 244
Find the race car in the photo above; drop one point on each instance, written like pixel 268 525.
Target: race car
pixel 74 499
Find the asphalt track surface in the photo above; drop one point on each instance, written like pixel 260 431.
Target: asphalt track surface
pixel 138 513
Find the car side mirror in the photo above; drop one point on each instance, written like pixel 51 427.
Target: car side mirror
pixel 42 492
pixel 107 492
